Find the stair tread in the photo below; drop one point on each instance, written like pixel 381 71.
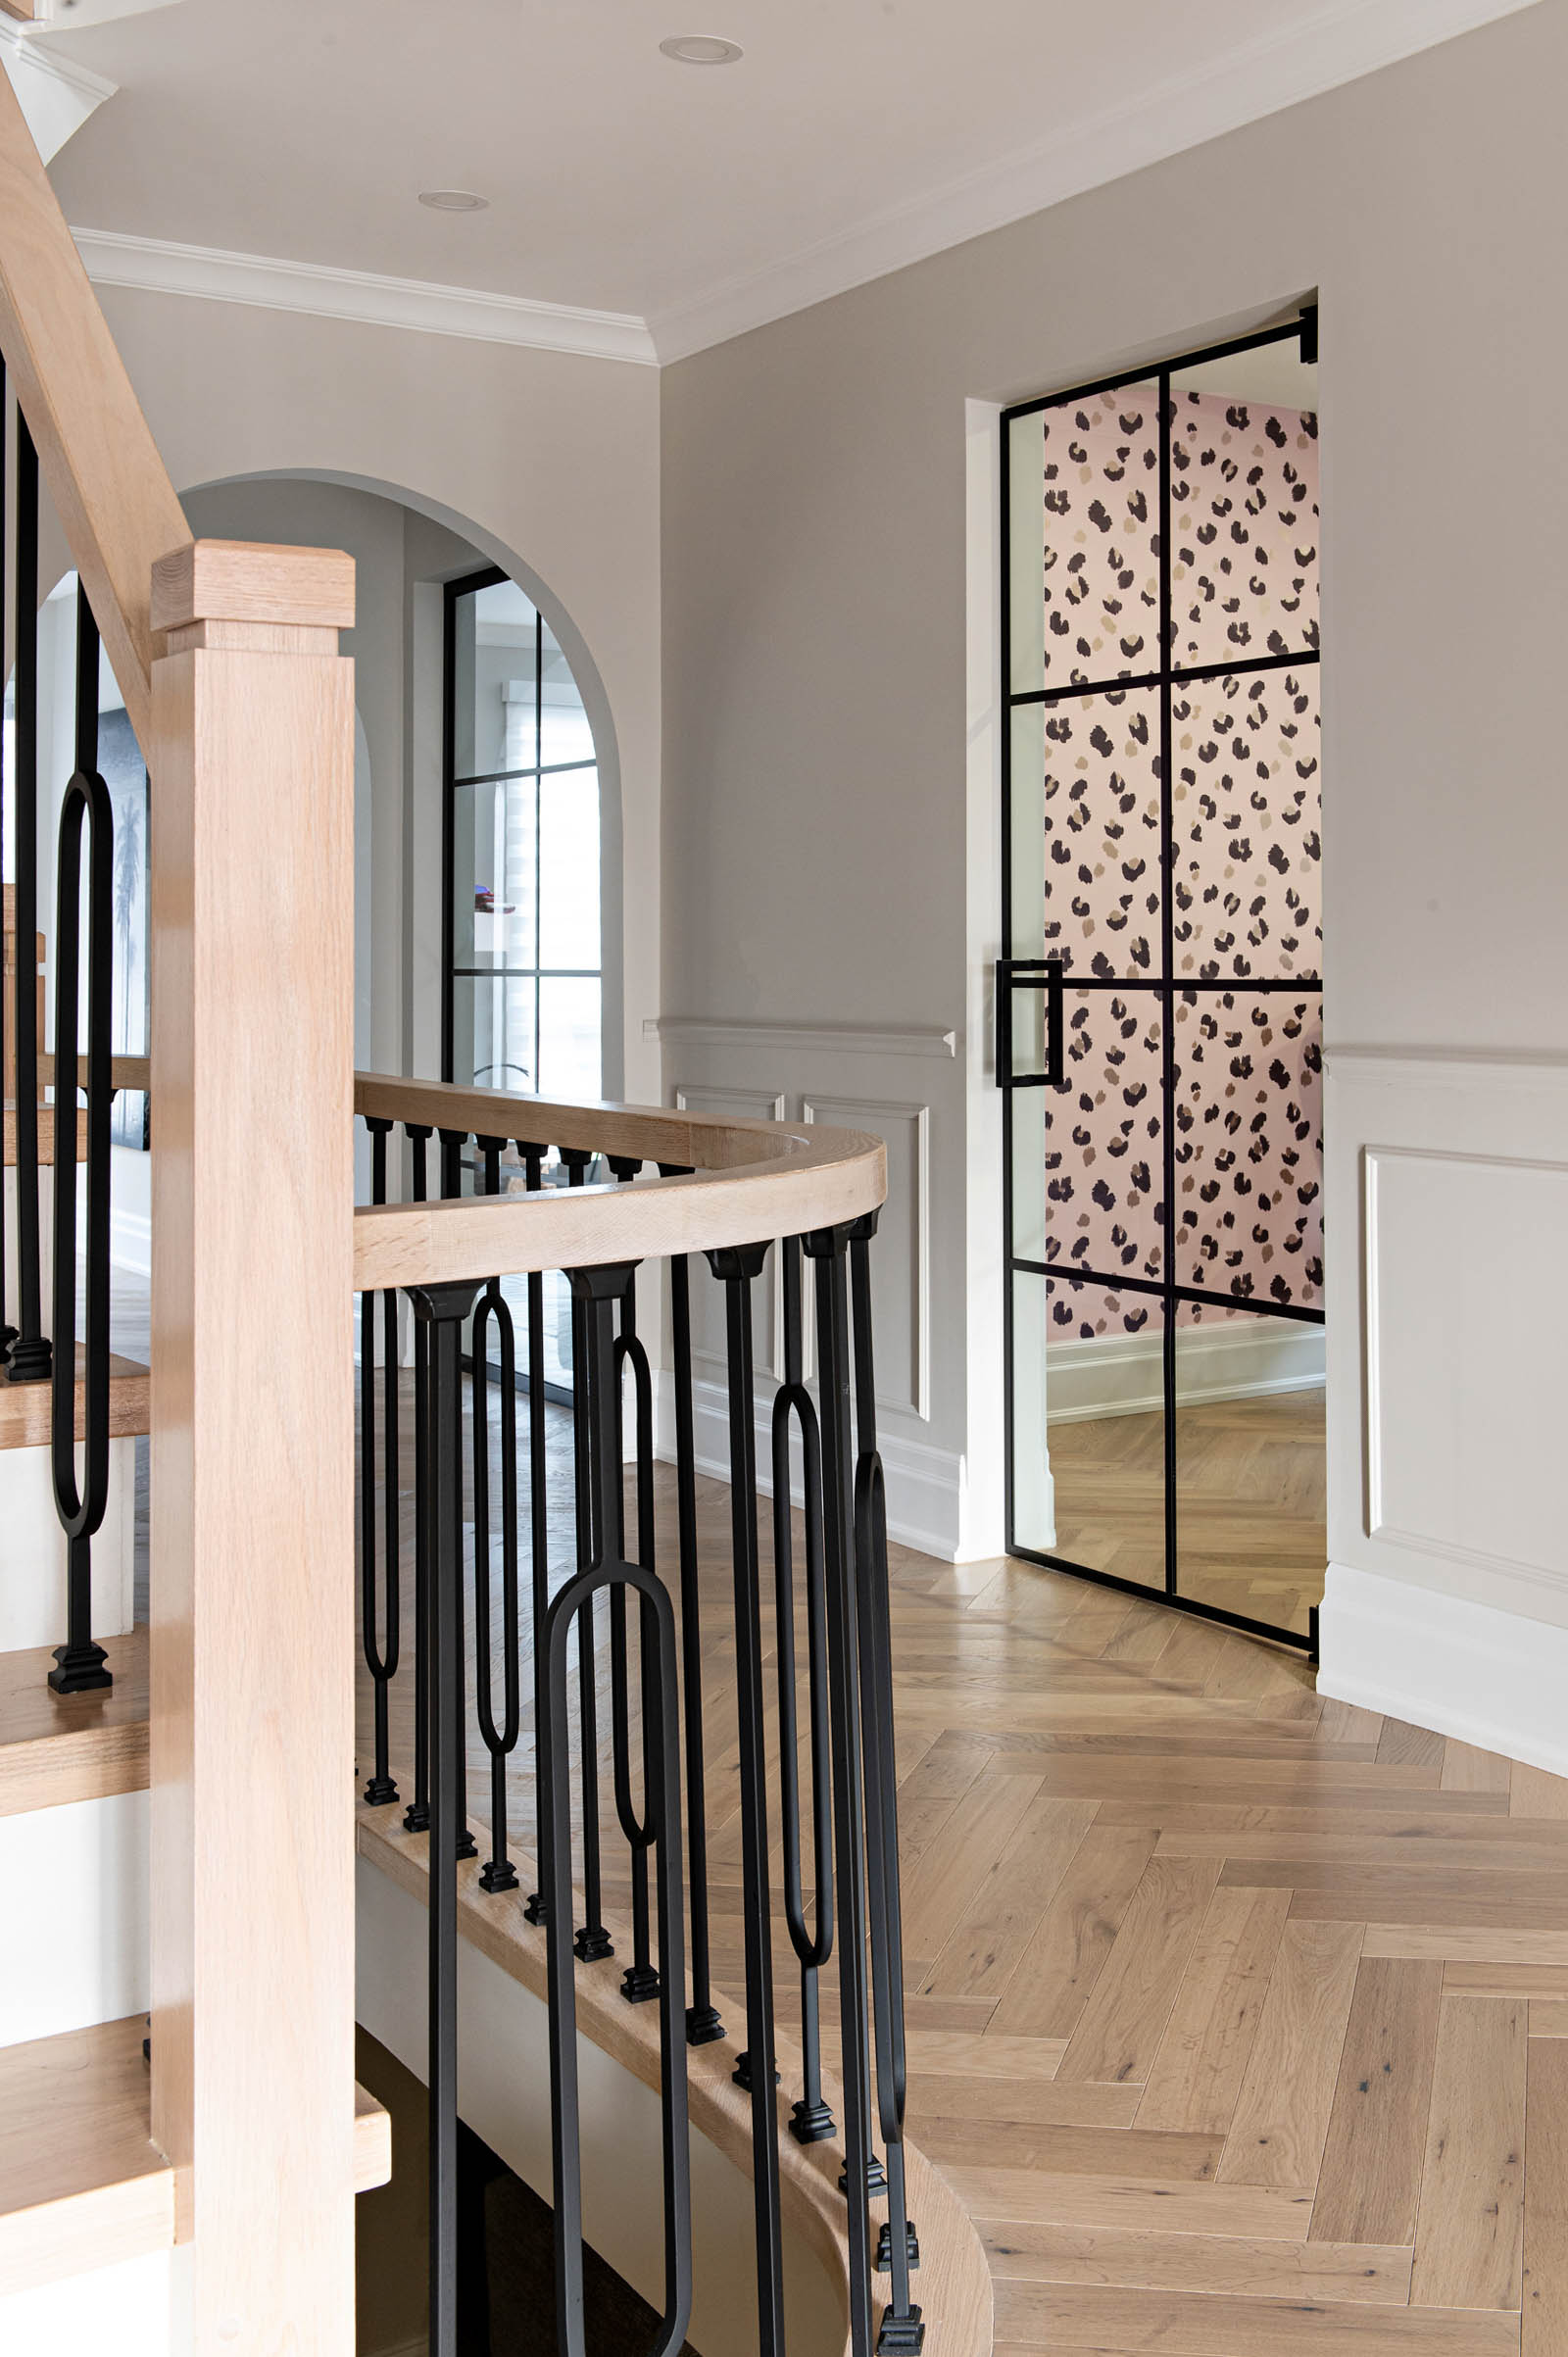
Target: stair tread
pixel 81 2182
pixel 46 1136
pixel 24 1407
pixel 55 1748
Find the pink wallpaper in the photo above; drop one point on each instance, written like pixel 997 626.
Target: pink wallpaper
pixel 1246 812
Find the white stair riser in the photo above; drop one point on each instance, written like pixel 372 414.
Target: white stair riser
pixel 127 2309
pixel 74 1951
pixel 34 1557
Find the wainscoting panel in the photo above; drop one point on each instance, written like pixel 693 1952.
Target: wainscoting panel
pixel 900 1256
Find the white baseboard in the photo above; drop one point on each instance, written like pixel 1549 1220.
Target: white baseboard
pixel 1486 1676
pixel 1120 1374
pixel 924 1484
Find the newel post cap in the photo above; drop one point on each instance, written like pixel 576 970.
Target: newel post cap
pixel 245 581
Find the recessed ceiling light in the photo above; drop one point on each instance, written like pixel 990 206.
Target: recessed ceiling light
pixel 453 199
pixel 701 49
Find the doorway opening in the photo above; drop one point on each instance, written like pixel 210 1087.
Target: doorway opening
pixel 1160 994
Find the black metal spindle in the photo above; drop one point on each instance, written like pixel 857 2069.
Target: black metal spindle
pixel 639 1982
pixel 80 1663
pixel 826 1247
pixel 417 1816
pixel 901 2330
pixel 380 1654
pixel 703 2024
pixel 498 1872
pixel 596 1290
pixel 811 2120
pixel 737 1267
pixel 30 1358
pixel 8 1332
pixel 593 1943
pixel 537 1909
pixel 440 1310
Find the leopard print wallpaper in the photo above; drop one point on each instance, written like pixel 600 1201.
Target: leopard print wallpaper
pixel 1246 815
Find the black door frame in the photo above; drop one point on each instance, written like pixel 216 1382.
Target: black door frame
pixel 1047 973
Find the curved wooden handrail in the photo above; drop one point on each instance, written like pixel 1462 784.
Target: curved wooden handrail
pixel 751 1181
pixel 109 487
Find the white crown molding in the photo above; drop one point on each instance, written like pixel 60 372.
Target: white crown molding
pixel 1334 44
pixel 56 94
pixel 832 1039
pixel 156 265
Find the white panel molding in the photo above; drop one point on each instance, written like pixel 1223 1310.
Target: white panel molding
pixel 1324 47
pixel 848 1112
pixel 925 1484
pixel 824 1039
pixel 158 265
pixel 1485 1676
pixel 1122 1374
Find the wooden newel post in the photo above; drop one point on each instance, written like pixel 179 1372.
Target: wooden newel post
pixel 252 759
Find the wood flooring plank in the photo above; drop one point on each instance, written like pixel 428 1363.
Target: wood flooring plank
pixel 999 1917
pixel 1370 2179
pixel 1282 2115
pixel 1545 2224
pixel 1196 2073
pixel 1403 1747
pixel 1004 2102
pixel 1073 1936
pixel 937 1883
pixel 955 2053
pixel 1125 2017
pixel 1491 1944
pixel 1053 2253
pixel 1019 2196
pixel 1508 1979
pixel 1063 2316
pixel 1535 1793
pixel 1469 2231
pixel 1070 2151
pixel 1548 2017
pixel 1467 1770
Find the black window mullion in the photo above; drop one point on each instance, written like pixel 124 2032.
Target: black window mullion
pixel 1167 995
pixel 538 844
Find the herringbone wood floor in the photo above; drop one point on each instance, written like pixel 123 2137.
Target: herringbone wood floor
pixel 1238 2018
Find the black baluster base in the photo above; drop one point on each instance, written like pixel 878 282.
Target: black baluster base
pixel 380 1793
pixel 639 1983
pixel 901 2335
pixel 884 2247
pixel 468 1847
pixel 703 2026
pixel 592 1945
pixel 416 1817
pixel 811 2123
pixel 742 2073
pixel 877 2179
pixel 80 1669
pixel 498 1875
pixel 537 1910
pixel 31 1360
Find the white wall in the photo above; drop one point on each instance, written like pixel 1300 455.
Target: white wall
pixel 818 809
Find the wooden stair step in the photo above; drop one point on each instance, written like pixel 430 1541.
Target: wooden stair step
pixel 56 1748
pixel 82 2182
pixel 24 1408
pixel 46 1136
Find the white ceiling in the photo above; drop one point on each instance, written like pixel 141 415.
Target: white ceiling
pixel 854 136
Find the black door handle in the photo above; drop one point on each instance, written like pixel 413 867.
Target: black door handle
pixel 1030 973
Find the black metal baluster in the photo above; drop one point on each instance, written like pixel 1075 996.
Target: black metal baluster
pixel 453 1142
pixel 417 1816
pixel 440 1310
pixel 537 1909
pixel 737 1267
pixel 901 2329
pixel 811 2120
pixel 639 1982
pixel 380 1657
pixel 80 1663
pixel 30 1358
pixel 703 2024
pixel 593 1943
pixel 498 1872
pixel 8 1332
pixel 596 1290
pixel 826 1247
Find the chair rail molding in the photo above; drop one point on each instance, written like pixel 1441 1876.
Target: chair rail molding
pixel 828 1039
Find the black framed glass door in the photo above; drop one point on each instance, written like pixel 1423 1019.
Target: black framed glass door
pixel 1160 1011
